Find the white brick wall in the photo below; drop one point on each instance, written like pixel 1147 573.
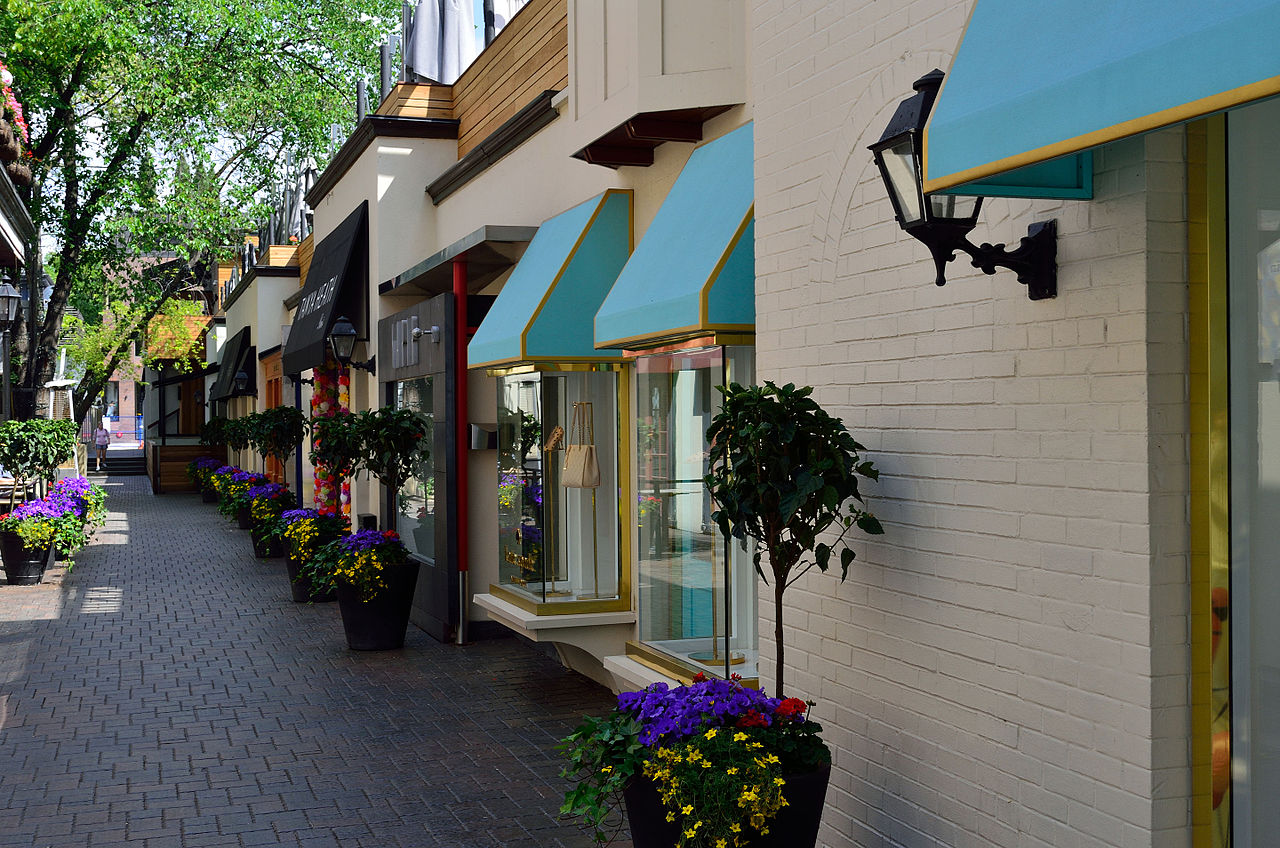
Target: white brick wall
pixel 1008 665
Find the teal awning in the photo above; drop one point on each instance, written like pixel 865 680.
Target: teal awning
pixel 543 312
pixel 1034 81
pixel 694 271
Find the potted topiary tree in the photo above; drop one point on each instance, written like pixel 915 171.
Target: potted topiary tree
pixel 781 473
pixel 393 443
pixel 370 570
pixel 31 450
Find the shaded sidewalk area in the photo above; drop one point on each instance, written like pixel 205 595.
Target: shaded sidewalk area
pixel 167 692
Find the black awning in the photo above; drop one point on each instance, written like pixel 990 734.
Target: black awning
pixel 336 285
pixel 234 355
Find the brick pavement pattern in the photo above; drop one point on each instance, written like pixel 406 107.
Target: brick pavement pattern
pixel 167 693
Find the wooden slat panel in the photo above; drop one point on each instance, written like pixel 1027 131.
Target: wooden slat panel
pixel 531 55
pixel 280 255
pixel 306 251
pixel 419 100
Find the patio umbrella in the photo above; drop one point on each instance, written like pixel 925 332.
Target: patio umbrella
pixel 442 40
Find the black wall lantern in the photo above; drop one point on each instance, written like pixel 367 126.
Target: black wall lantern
pixel 343 340
pixel 943 221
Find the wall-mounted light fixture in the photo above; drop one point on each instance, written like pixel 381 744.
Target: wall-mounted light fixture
pixel 434 332
pixel 943 221
pixel 343 340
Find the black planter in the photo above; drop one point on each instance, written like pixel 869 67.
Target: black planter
pixel 243 519
pixel 209 495
pixel 301 590
pixel 379 624
pixel 795 826
pixel 22 567
pixel 269 547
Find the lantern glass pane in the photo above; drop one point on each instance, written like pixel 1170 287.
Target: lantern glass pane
pixel 904 180
pixel 953 206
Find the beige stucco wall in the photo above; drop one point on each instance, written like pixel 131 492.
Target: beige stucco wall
pixel 1007 665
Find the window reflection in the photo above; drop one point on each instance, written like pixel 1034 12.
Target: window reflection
pixel 688 608
pixel 416 506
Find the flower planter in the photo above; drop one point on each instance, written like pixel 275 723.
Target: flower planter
pixel 243 519
pixel 302 593
pixel 268 548
pixel 22 567
pixel 379 624
pixel 795 826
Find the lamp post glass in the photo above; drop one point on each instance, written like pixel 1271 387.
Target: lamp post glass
pixel 343 339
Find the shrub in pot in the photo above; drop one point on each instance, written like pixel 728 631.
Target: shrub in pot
pixel 200 472
pixel 233 500
pixel 374 580
pixel 710 764
pixel 267 501
pixel 305 532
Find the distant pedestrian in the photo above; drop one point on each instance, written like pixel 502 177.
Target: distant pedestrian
pixel 101 438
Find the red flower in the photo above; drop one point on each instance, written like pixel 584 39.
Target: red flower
pixel 791 707
pixel 752 719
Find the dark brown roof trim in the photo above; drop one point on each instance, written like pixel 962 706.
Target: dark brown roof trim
pixel 370 128
pixel 514 131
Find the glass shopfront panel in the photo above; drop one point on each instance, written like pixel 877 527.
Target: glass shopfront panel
pixel 416 504
pixel 1248 712
pixel 689 608
pixel 558 540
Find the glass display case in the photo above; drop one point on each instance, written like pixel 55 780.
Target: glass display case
pixel 559 535
pixel 697 598
pixel 416 503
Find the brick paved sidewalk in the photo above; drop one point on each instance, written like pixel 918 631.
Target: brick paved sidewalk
pixel 167 693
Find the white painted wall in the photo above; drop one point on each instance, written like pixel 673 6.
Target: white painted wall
pixel 1007 666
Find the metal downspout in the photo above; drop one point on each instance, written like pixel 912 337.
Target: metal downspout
pixel 460 434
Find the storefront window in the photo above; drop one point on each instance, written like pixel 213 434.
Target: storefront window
pixel 689 607
pixel 1245 714
pixel 416 504
pixel 558 541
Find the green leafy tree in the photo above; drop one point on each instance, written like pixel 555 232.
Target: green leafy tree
pixel 157 129
pixel 782 473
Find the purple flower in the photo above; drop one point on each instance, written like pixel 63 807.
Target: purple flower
pixel 270 491
pixel 367 540
pixel 668 715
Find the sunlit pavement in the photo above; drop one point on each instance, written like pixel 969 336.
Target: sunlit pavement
pixel 166 692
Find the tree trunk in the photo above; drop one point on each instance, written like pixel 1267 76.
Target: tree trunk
pixel 779 586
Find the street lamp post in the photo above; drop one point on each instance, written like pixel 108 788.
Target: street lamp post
pixel 10 302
